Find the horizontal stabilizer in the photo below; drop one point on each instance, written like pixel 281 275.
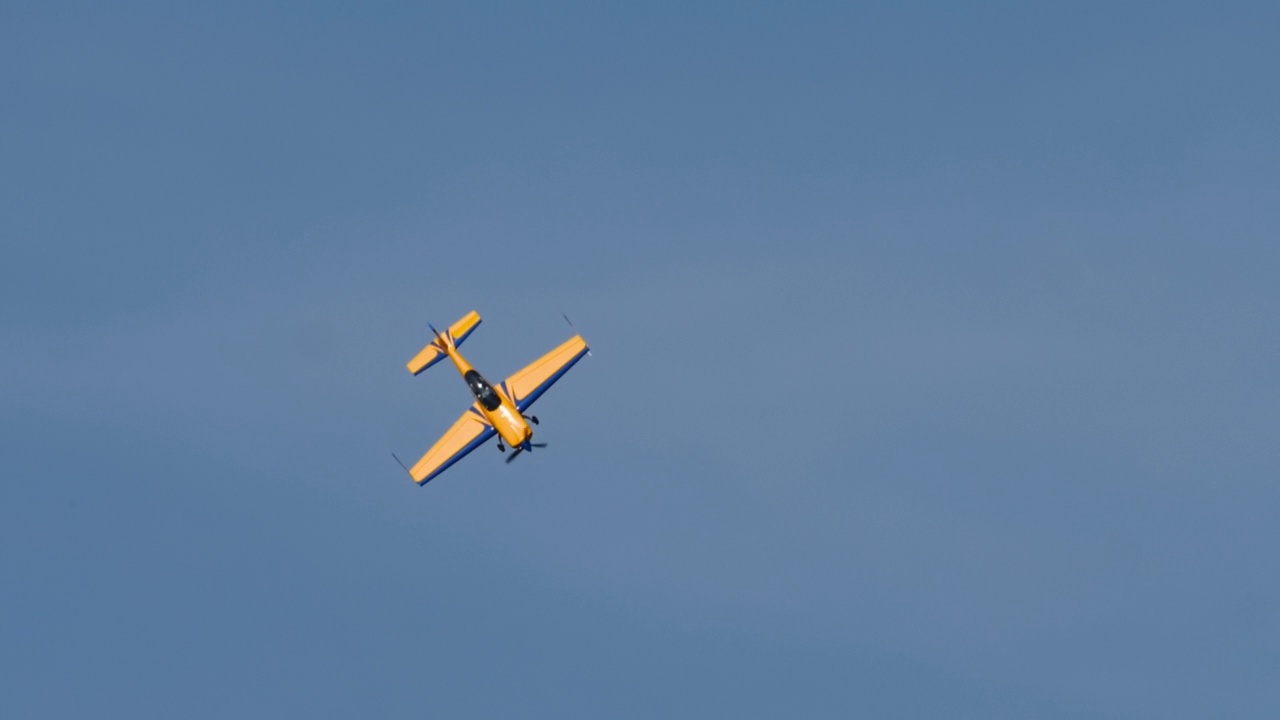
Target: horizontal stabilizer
pixel 435 351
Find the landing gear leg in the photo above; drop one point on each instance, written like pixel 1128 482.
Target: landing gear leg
pixel 532 418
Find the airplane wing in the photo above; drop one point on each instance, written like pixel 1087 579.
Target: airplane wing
pixel 528 385
pixel 469 433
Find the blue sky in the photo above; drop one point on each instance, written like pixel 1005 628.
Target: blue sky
pixel 934 374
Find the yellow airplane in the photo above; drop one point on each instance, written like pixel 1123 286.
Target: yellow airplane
pixel 498 410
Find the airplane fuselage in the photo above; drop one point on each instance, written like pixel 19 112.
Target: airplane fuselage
pixel 492 403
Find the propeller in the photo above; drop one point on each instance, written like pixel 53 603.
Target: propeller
pixel 521 449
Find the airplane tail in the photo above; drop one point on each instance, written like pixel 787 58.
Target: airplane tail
pixel 436 351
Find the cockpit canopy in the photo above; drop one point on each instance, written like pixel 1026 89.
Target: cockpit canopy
pixel 484 392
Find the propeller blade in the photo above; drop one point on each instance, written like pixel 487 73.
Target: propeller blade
pixel 514 455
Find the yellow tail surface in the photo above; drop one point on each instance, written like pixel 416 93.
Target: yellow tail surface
pixel 434 352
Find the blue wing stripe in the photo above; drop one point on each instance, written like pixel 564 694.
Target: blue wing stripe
pixel 526 401
pixel 488 433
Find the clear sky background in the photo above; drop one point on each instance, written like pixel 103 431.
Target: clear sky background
pixel 935 360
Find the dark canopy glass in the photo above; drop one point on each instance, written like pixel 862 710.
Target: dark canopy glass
pixel 484 392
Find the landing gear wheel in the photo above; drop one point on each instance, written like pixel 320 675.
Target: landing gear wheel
pixel 500 447
pixel 534 418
